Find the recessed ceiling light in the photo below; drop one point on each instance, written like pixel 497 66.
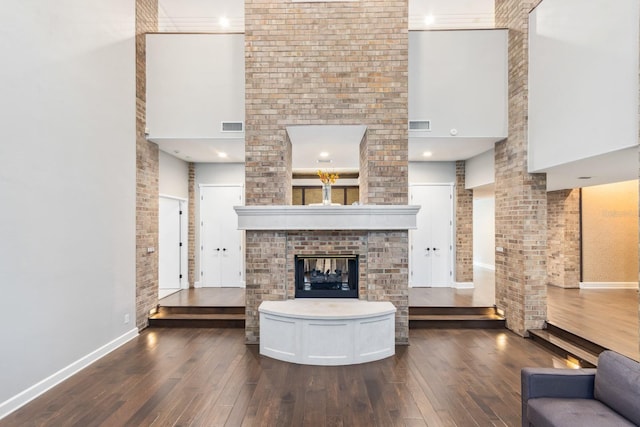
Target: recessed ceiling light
pixel 584 177
pixel 427 154
pixel 429 20
pixel 224 22
pixel 324 154
pixel 222 155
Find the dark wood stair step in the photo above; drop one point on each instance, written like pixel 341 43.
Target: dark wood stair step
pixel 456 321
pixel 200 310
pixel 564 347
pixel 191 320
pixel 452 311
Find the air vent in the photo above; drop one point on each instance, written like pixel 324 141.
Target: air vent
pixel 423 125
pixel 232 127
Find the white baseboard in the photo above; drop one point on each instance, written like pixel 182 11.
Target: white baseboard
pixel 26 396
pixel 197 285
pixel 463 285
pixel 485 266
pixel 608 285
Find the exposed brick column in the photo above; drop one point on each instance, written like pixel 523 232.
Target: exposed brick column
pixel 147 168
pixel 266 273
pixel 563 238
pixel 464 227
pixel 388 275
pixel 521 200
pixel 326 63
pixel 191 233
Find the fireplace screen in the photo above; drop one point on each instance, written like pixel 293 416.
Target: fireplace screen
pixel 320 276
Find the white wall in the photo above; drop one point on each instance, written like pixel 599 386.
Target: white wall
pixel 67 185
pixel 173 177
pixel 194 82
pixel 432 172
pixel 458 80
pixel 480 170
pixel 484 229
pixel 583 80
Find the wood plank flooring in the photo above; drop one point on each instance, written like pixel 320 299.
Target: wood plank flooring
pixel 206 297
pixel 608 317
pixel 209 377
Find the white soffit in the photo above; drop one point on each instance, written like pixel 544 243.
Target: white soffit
pixel 341 143
pixel 617 166
pixel 203 150
pixel 448 149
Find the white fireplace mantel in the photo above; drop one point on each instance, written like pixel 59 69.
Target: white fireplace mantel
pixel 353 217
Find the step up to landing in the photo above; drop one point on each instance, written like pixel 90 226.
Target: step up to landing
pixel 455 318
pixel 198 317
pixel 568 345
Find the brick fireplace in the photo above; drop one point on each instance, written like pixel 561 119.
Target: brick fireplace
pixel 377 235
pixel 326 63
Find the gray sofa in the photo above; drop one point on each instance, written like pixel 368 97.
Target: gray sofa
pixel 608 396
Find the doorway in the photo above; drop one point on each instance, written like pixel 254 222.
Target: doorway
pixel 171 246
pixel 431 244
pixel 221 248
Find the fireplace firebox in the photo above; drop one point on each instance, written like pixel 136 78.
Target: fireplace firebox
pixel 326 276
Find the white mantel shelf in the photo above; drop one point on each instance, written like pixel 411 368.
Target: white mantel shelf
pixel 354 217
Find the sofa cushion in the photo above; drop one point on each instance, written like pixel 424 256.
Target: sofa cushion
pixel 617 384
pixel 550 412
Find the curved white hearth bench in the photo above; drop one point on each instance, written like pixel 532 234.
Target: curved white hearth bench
pixel 327 331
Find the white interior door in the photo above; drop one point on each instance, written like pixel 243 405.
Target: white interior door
pixel 441 235
pixel 169 246
pixel 221 256
pixel 432 241
pixel 421 240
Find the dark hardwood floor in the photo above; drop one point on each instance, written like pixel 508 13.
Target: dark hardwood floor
pixel 206 297
pixel 608 317
pixel 209 377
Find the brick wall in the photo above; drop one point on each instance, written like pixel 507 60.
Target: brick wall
pixel 326 63
pixel 521 203
pixel 146 177
pixel 191 233
pixel 464 227
pixel 266 272
pixel 563 238
pixel 388 275
pixel 383 268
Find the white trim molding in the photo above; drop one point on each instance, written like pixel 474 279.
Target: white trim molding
pixel 463 285
pixel 360 217
pixel 26 396
pixel 608 285
pixel 485 266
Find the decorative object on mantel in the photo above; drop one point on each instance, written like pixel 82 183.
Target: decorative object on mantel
pixel 327 179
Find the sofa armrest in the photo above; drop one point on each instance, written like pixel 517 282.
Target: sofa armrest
pixel 553 382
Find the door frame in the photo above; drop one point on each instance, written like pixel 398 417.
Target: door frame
pixel 184 238
pixel 200 222
pixel 452 252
